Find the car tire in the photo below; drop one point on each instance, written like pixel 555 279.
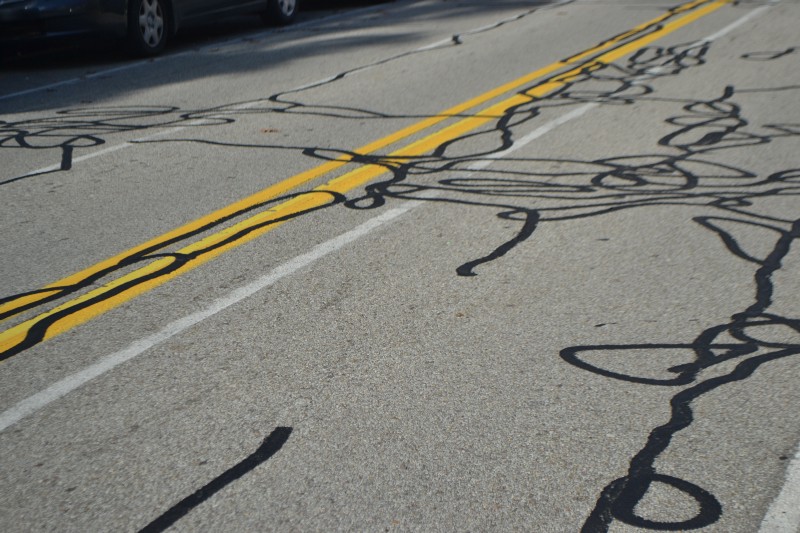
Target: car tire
pixel 280 12
pixel 148 26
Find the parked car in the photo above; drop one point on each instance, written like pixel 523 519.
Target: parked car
pixel 146 25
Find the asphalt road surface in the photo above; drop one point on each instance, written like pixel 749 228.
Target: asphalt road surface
pixel 414 266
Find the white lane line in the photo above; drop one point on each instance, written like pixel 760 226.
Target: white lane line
pixel 783 515
pixel 746 18
pixel 532 136
pixel 34 403
pixel 109 149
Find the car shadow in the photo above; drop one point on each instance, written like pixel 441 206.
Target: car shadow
pixel 94 51
pixel 48 66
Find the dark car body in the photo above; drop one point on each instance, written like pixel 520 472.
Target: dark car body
pixel 22 20
pixel 28 19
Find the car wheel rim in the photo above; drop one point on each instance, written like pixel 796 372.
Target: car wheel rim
pixel 151 22
pixel 287 6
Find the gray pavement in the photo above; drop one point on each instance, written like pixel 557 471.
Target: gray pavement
pixel 570 304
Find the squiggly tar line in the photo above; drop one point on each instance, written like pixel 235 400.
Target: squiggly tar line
pixel 163 268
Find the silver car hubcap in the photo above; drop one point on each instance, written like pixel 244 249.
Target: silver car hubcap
pixel 151 22
pixel 287 6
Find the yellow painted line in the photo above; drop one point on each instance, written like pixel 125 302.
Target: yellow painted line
pixel 650 24
pixel 9 308
pixel 160 270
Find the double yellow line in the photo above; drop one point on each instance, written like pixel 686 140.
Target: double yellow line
pixel 158 269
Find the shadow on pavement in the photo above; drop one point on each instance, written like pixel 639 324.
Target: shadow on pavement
pixel 49 63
